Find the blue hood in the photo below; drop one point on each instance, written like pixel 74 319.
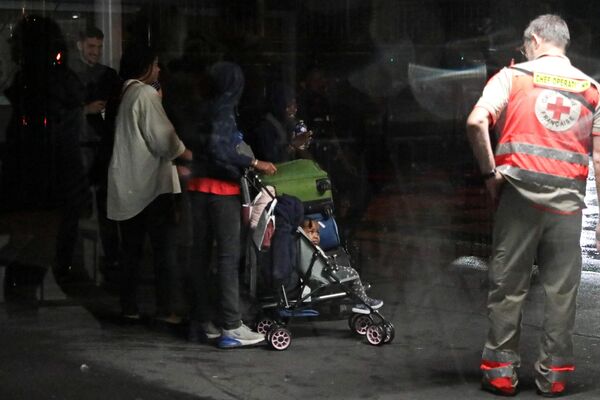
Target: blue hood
pixel 224 147
pixel 229 84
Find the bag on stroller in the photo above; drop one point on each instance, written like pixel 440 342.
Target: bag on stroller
pixel 305 180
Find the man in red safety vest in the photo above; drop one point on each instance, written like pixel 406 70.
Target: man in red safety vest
pixel 546 113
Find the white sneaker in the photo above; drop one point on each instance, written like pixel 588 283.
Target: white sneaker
pixel 242 336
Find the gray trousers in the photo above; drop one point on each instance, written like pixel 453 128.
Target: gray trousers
pixel 217 218
pixel 521 234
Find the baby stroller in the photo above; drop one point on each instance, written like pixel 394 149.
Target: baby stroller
pixel 318 276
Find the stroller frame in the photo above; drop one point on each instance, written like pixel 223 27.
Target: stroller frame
pixel 278 313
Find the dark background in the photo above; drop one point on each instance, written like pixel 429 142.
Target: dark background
pixel 385 85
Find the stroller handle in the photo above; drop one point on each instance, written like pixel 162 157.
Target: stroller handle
pixel 251 178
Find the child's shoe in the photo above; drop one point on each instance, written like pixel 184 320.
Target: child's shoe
pixel 361 308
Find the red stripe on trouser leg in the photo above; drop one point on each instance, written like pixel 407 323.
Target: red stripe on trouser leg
pixel 487 364
pixel 558 387
pixel 503 384
pixel 563 368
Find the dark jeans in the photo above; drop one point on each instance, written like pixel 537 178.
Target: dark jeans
pixel 108 229
pixel 217 218
pixel 155 220
pixel 180 241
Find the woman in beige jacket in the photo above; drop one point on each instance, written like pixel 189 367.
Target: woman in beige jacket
pixel 142 178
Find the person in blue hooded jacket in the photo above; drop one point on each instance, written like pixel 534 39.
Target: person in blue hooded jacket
pixel 215 199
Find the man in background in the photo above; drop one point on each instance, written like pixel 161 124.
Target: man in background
pixel 102 86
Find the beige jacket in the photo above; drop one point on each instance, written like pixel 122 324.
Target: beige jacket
pixel 145 143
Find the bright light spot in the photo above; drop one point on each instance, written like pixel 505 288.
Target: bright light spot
pixel 75 16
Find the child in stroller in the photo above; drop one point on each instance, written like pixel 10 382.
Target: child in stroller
pixel 344 272
pixel 316 278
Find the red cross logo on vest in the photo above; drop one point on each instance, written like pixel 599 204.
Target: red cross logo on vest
pixel 555 111
pixel 558 109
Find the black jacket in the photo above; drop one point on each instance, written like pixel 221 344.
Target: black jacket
pixel 289 213
pixel 100 83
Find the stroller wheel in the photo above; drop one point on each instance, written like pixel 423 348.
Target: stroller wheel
pixel 375 334
pixel 264 325
pixel 390 332
pixel 280 338
pixel 359 323
pixel 272 329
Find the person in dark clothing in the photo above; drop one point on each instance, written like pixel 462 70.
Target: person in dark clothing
pixel 274 139
pixel 186 103
pixel 214 192
pixel 102 88
pixel 42 169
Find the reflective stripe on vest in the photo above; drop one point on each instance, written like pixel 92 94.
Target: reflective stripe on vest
pixel 542 179
pixel 560 155
pixel 567 86
pixel 547 134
